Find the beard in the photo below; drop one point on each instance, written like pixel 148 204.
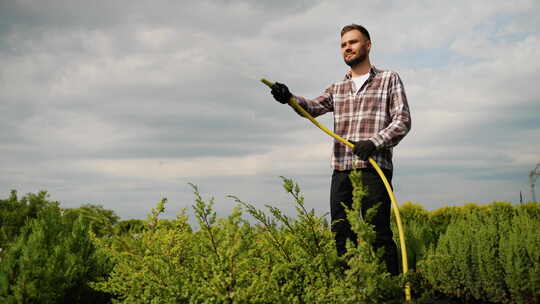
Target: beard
pixel 362 55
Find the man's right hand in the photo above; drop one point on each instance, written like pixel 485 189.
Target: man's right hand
pixel 281 92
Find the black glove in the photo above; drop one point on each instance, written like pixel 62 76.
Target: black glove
pixel 363 149
pixel 281 92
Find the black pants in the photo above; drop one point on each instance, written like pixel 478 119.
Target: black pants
pixel 341 192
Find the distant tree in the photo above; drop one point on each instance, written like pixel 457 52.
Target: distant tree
pixel 15 212
pixel 129 226
pixel 100 220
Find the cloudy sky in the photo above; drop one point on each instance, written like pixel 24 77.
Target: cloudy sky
pixel 121 103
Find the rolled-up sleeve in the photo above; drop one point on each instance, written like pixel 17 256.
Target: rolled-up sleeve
pixel 400 116
pixel 317 106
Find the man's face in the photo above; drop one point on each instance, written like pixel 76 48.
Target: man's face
pixel 354 47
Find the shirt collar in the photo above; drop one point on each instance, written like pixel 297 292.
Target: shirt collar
pixel 372 71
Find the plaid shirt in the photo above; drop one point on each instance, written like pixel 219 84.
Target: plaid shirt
pixel 379 112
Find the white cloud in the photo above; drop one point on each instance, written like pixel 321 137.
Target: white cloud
pixel 291 158
pixel 74 131
pixel 156 38
pixel 121 97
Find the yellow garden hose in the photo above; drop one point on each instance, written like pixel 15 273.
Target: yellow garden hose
pixel 395 207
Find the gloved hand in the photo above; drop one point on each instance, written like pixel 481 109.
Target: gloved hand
pixel 363 149
pixel 281 92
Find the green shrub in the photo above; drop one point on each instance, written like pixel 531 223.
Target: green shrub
pixel 100 220
pixel 520 258
pixel 419 234
pixel 51 261
pixel 487 253
pixel 531 209
pixel 442 217
pixel 476 254
pixel 15 212
pixel 278 260
pixel 129 226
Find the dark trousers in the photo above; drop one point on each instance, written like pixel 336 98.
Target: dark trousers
pixel 341 192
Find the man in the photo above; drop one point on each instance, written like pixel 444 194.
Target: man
pixel 371 111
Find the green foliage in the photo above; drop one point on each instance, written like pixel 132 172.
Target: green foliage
pixel 51 261
pixel 410 212
pixel 520 257
pixel 531 209
pixel 473 253
pixel 15 212
pixel 100 220
pixel 419 232
pixel 278 260
pixel 367 280
pixel 441 218
pixel 487 253
pixel 129 226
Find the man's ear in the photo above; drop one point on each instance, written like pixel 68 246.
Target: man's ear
pixel 369 45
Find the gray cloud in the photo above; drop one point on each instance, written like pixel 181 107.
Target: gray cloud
pixel 121 103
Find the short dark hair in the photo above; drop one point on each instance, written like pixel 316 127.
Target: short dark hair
pixel 357 27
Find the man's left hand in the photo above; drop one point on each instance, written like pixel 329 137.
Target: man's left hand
pixel 363 149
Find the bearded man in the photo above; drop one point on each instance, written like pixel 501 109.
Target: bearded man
pixel 371 111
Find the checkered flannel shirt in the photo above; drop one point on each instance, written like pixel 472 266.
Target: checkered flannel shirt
pixel 379 112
